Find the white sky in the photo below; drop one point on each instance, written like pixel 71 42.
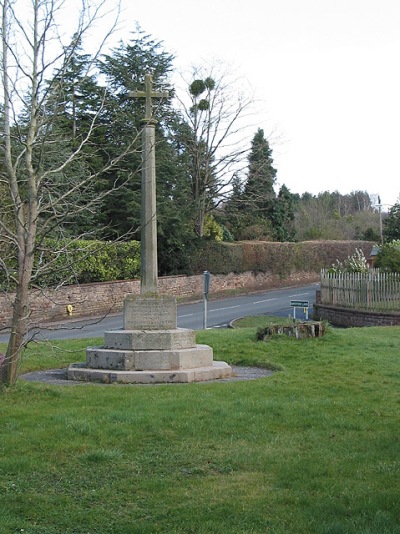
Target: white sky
pixel 326 73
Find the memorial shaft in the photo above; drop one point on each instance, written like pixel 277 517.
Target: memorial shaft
pixel 149 263
pixel 149 266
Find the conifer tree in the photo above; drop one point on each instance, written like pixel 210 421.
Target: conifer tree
pixel 259 194
pixel 254 210
pixel 391 224
pixel 124 69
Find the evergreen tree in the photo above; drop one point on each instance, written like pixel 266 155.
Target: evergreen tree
pixel 283 215
pixel 75 95
pixel 125 69
pixel 258 197
pixel 72 113
pixel 389 257
pixel 391 224
pixel 231 213
pixel 254 211
pixel 259 191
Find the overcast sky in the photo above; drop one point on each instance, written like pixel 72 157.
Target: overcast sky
pixel 326 73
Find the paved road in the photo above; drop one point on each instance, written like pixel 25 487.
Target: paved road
pixel 219 313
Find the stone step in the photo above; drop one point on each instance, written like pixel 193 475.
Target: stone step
pixel 179 338
pixel 149 360
pixel 217 370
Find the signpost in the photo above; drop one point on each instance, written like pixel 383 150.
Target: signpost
pixel 299 304
pixel 205 293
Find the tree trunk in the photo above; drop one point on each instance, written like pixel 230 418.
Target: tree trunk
pixel 18 324
pixel 199 223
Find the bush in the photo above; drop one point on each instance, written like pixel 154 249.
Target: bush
pixel 356 263
pixel 388 257
pixel 212 230
pixel 86 261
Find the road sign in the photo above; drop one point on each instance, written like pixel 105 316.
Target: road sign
pixel 299 303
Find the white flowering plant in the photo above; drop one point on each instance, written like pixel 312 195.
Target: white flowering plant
pixel 356 263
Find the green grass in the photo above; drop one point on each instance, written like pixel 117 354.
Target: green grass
pixel 312 449
pixel 261 321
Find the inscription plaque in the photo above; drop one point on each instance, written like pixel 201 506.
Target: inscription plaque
pixel 150 313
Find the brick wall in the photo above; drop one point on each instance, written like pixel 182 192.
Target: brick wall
pixel 94 300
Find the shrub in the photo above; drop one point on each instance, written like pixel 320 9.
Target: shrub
pixel 356 263
pixel 212 230
pixel 86 261
pixel 388 257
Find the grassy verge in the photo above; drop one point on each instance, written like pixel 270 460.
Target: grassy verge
pixel 261 321
pixel 312 449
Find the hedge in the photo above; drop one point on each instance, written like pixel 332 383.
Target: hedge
pixel 86 261
pixel 277 258
pixel 83 261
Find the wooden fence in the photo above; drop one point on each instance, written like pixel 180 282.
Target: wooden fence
pixel 374 290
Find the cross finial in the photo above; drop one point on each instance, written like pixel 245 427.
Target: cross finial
pixel 148 94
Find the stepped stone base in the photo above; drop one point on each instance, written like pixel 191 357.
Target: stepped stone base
pixel 200 374
pixel 179 338
pixel 152 360
pixel 149 350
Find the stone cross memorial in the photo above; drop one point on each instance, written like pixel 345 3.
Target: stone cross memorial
pixel 150 348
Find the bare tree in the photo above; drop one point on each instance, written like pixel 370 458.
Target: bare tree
pixel 42 178
pixel 215 133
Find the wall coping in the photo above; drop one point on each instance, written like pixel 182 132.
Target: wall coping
pixel 348 317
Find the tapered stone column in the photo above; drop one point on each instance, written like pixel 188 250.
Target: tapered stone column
pixel 149 265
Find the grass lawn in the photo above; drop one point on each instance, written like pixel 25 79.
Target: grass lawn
pixel 315 448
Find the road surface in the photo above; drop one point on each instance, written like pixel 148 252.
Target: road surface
pixel 220 312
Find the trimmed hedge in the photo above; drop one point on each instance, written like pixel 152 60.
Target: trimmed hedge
pixel 277 258
pixel 86 261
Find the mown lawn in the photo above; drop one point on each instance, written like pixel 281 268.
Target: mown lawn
pixel 313 449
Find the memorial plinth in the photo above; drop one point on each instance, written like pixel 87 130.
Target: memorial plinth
pixel 149 349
